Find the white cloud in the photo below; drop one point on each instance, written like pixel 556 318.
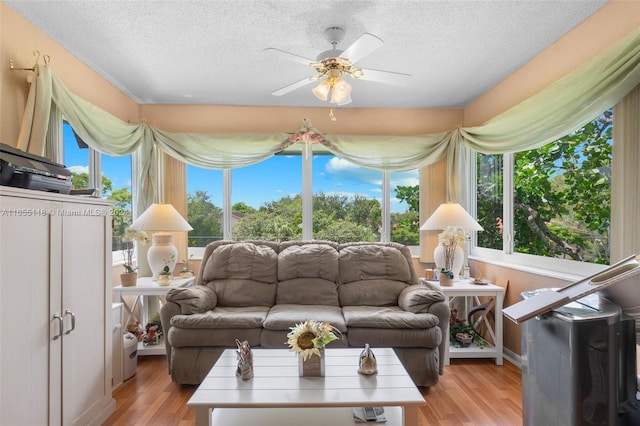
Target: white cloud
pixel 79 169
pixel 410 178
pixel 341 169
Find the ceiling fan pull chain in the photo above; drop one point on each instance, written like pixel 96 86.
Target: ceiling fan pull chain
pixel 332 116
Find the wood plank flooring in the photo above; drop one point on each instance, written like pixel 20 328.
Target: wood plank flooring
pixel 471 392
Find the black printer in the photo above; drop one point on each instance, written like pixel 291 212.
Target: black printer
pixel 23 170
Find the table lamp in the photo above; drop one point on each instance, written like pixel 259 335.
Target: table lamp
pixel 161 219
pixel 450 214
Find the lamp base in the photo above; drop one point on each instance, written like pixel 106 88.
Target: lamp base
pixel 458 260
pixel 162 253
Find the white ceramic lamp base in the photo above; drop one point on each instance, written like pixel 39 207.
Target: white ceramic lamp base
pixel 162 253
pixel 458 260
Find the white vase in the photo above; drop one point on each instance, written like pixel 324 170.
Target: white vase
pixel 162 253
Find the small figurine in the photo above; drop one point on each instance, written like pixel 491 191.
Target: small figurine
pixel 368 363
pixel 245 360
pixel 152 336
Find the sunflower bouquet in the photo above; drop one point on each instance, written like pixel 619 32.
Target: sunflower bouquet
pixel 309 337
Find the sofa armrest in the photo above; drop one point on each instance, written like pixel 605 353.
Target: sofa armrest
pixel 443 312
pixel 193 300
pixel 418 299
pixel 168 311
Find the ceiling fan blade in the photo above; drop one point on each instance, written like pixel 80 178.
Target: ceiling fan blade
pixel 360 48
pixel 289 56
pixel 293 86
pixel 386 77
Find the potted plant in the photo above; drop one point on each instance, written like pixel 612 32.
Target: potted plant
pixel 130 276
pixel 164 277
pixel 186 271
pixel 451 240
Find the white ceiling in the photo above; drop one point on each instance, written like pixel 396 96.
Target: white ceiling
pixel 211 52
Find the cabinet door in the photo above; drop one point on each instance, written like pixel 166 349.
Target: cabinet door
pixel 30 272
pixel 86 305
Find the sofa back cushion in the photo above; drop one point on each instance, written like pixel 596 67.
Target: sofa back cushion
pixel 373 274
pixel 308 273
pixel 241 273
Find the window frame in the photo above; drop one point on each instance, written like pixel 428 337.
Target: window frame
pixel 507 257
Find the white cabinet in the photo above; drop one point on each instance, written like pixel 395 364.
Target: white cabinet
pixel 55 309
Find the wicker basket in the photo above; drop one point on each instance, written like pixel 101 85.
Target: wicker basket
pixel 129 279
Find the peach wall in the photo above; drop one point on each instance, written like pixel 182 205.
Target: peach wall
pixel 601 30
pixel 18 40
pixel 231 119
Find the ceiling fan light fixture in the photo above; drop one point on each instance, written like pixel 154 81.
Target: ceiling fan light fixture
pixel 340 91
pixel 321 91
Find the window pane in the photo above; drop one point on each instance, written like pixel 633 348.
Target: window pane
pixel 204 205
pixel 116 186
pixel 405 207
pixel 563 195
pixel 490 199
pixel 76 157
pixel 266 200
pixel 346 200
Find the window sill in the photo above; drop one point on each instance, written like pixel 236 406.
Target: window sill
pixel 562 269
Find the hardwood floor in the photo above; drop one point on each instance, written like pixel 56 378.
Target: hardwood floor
pixel 471 392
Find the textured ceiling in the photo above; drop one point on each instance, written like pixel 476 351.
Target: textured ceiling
pixel 211 52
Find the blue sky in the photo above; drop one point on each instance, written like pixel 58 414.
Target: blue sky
pixel 270 180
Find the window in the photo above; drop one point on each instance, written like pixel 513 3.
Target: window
pixel 551 202
pixel 204 205
pixel 346 200
pixel 266 200
pixel 111 176
pixel 405 207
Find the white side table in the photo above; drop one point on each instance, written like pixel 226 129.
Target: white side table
pixel 149 296
pixel 472 292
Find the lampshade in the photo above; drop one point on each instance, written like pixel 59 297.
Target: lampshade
pixel 340 91
pixel 450 214
pixel 321 91
pixel 160 218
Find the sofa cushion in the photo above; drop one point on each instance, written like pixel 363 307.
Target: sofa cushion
pixel 202 337
pixel 386 317
pixel 242 274
pixel 395 337
pixel 417 298
pixel 373 261
pixel 372 274
pixel 283 317
pixel 242 260
pixel 223 317
pixel 308 274
pixel 193 300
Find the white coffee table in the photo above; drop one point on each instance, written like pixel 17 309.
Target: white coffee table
pixel 277 395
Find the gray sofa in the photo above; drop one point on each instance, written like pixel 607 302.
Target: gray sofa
pixel 257 290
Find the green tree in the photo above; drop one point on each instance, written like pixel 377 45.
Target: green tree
pixel 81 181
pixel 205 219
pixel 121 214
pixel 405 227
pixel 562 199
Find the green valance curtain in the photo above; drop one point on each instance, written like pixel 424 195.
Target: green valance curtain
pixel 554 112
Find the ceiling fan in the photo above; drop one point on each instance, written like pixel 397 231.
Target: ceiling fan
pixel 331 65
